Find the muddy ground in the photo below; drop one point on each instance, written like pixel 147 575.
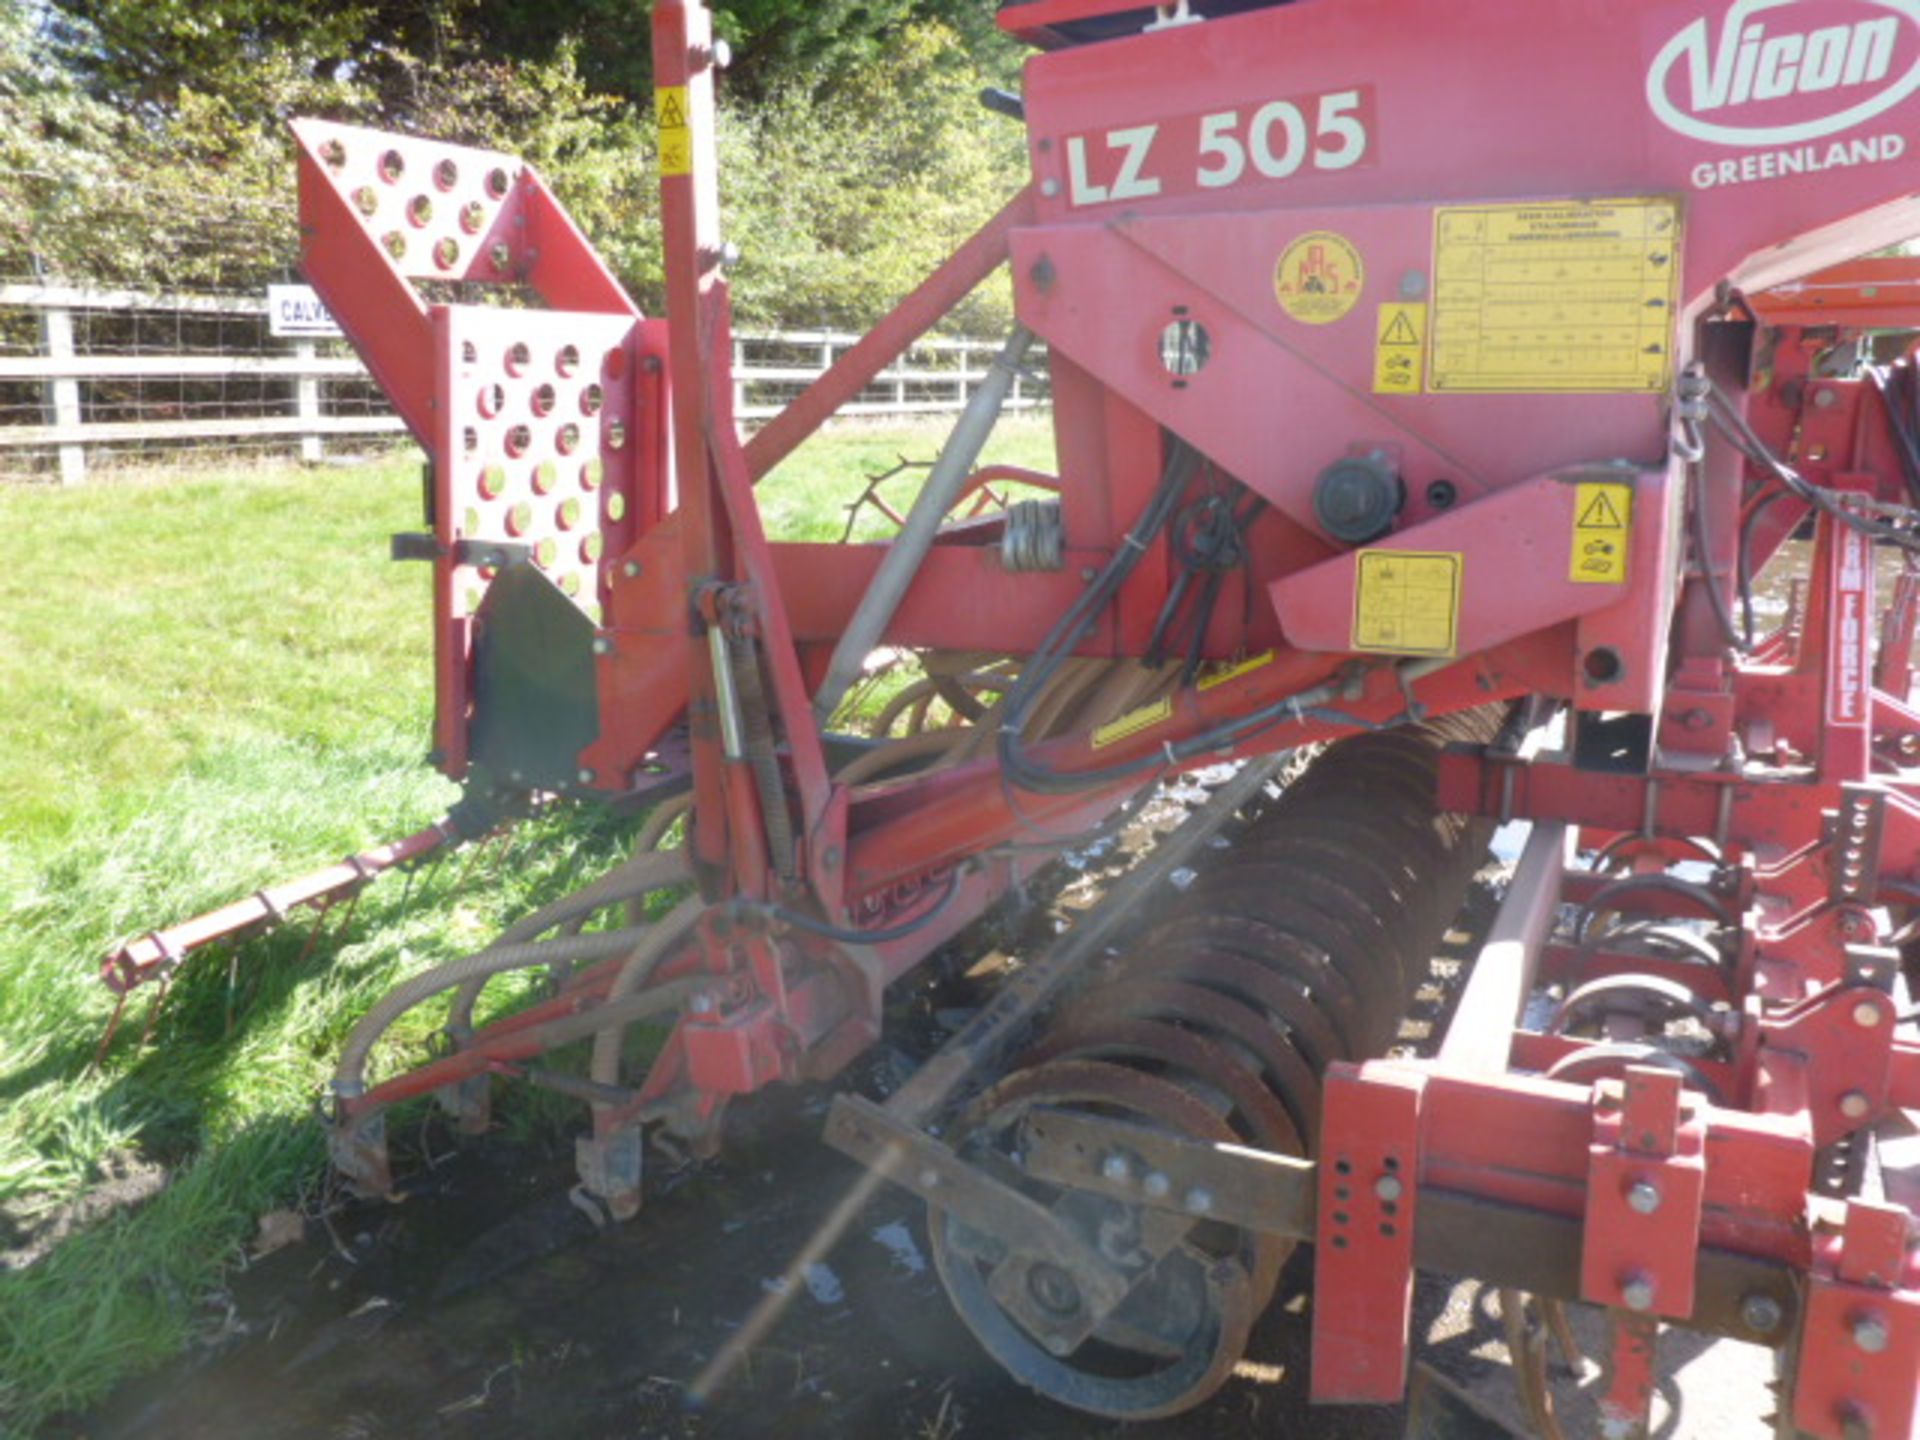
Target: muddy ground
pixel 443 1318
pixel 484 1305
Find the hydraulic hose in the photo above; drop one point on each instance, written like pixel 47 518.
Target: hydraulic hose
pixel 476 968
pixel 646 871
pixel 658 939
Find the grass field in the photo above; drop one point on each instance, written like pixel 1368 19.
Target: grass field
pixel 209 682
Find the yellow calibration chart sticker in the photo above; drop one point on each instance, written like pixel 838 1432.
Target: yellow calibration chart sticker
pixel 676 141
pixel 1319 278
pixel 1575 295
pixel 1407 602
pixel 1602 519
pixel 1132 723
pixel 1400 350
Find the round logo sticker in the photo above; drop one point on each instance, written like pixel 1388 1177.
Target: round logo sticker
pixel 1319 278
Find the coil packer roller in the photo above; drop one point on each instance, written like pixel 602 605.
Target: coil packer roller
pixel 1418 374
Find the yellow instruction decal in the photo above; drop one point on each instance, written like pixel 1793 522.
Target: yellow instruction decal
pixel 1132 723
pixel 1319 277
pixel 676 141
pixel 1602 517
pixel 1224 673
pixel 1400 350
pixel 1575 295
pixel 1407 602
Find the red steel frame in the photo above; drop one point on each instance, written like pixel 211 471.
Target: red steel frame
pixel 1116 239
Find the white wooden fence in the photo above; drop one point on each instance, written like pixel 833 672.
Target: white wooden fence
pixel 87 375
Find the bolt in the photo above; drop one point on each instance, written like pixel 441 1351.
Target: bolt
pixel 586 777
pixel 1855 1105
pixel 701 1003
pixel 1636 1292
pixel 1867 1015
pixel 1761 1313
pixel 1049 187
pixel 1156 1185
pixel 1643 1197
pixel 1116 1169
pixel 1053 1288
pixel 631 569
pixel 602 645
pixel 1825 399
pixel 1389 1188
pixel 1870 1333
pixel 1059 1345
pixel 929 1179
pixel 1199 1201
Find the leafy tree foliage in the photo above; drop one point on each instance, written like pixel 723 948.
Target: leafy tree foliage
pixel 145 141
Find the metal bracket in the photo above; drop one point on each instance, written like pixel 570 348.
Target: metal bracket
pixel 610 1168
pixel 495 554
pixel 414 545
pixel 1856 843
pixel 1646 1186
pixel 1253 1189
pixel 1029 1230
pixel 1855 1379
pixel 1363 1265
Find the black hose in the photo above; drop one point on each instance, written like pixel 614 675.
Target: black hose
pixel 845 936
pixel 1747 527
pixel 1073 626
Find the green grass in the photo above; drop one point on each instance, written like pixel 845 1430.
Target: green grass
pixel 208 683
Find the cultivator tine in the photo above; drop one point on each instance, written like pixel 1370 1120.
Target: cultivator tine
pixel 1527 1352
pixel 112 1029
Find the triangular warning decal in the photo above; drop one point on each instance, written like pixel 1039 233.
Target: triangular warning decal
pixel 1400 332
pixel 672 116
pixel 1601 515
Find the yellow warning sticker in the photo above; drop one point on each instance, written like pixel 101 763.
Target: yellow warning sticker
pixel 1575 295
pixel 1224 673
pixel 1319 278
pixel 1132 723
pixel 1407 602
pixel 676 140
pixel 1400 350
pixel 1602 517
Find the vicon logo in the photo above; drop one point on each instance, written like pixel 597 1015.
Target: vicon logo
pixel 1777 72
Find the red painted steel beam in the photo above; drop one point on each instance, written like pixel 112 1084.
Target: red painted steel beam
pixel 982 253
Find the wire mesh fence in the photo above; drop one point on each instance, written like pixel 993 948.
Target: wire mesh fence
pixel 98 378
